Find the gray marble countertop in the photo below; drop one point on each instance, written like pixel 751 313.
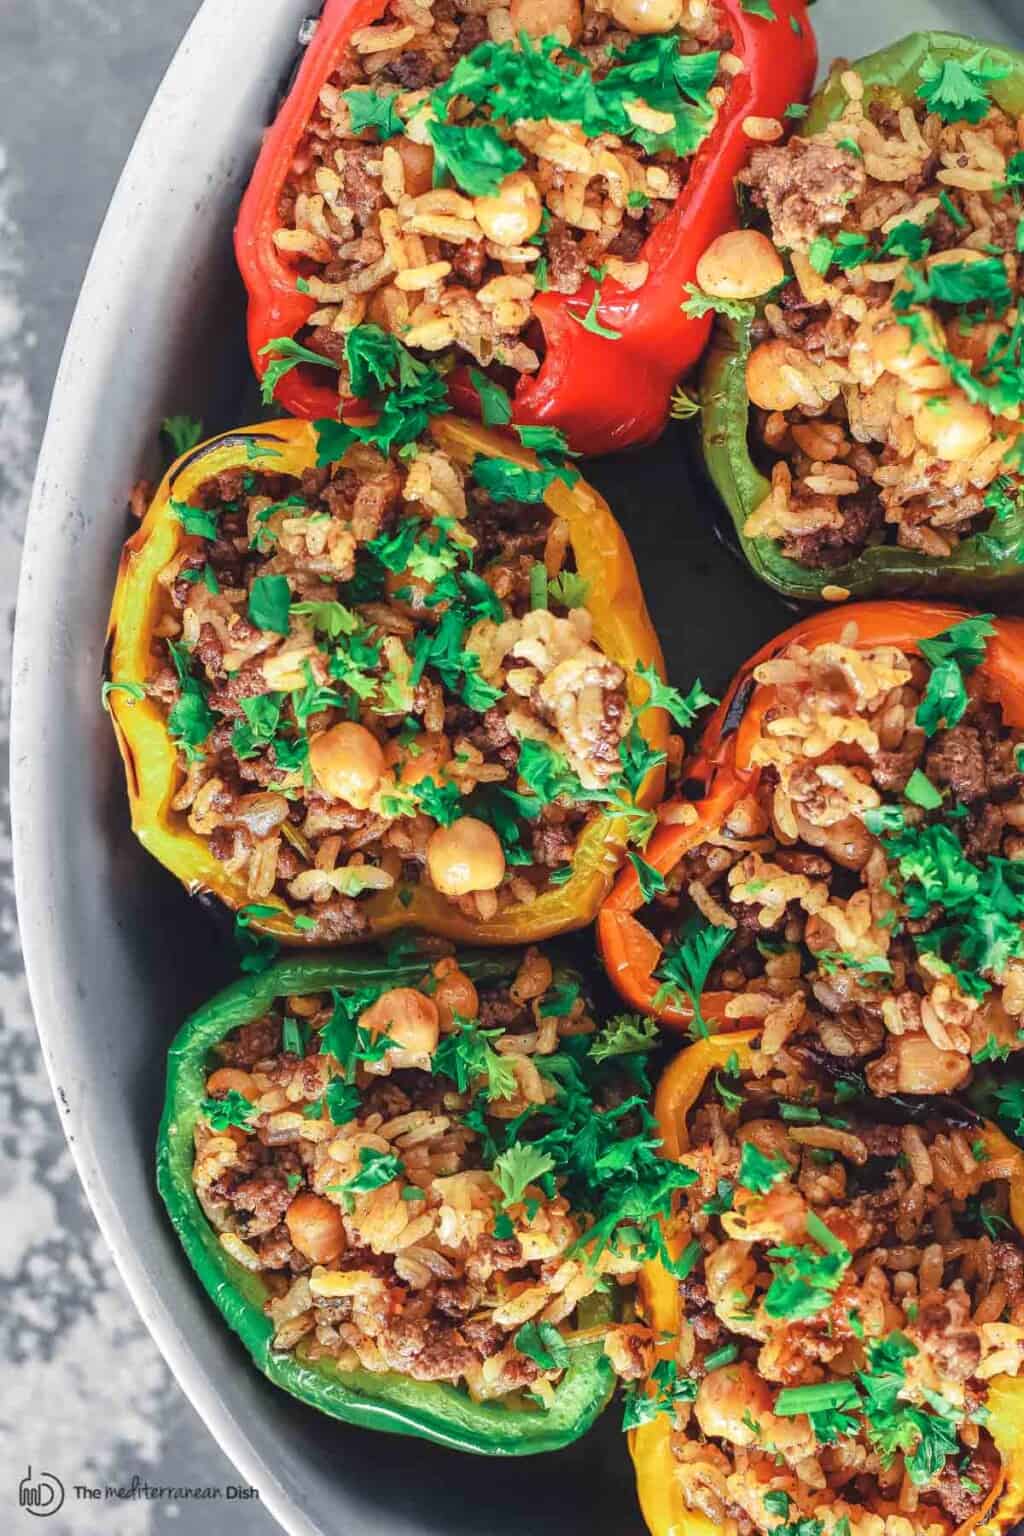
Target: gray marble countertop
pixel 85 1393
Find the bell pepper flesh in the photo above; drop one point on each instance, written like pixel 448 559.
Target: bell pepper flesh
pixel 722 766
pixel 604 395
pixel 432 1411
pixel 622 628
pixel 659 1488
pixel 985 566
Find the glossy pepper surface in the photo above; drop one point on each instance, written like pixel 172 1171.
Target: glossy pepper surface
pixel 986 565
pixel 433 1411
pixel 622 629
pixel 657 1472
pixel 602 394
pixel 723 772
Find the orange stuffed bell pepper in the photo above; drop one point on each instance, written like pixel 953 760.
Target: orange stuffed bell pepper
pixel 804 1332
pixel 358 688
pixel 367 202
pixel 853 842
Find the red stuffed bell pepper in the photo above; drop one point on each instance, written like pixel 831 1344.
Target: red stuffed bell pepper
pixel 604 333
pixel 853 851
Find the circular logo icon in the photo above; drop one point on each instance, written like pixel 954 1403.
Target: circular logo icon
pixel 41 1495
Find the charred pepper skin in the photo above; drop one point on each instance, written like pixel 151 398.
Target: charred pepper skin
pixel 432 1411
pixel 723 771
pixel 604 395
pixel 622 627
pixel 659 1489
pixel 987 567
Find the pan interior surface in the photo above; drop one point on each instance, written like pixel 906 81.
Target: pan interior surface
pixel 116 953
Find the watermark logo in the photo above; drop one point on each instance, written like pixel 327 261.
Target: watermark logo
pixel 40 1495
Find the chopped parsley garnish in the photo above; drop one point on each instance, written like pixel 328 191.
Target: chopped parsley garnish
pixel 950 655
pixel 651 880
pixel 342 1101
pixel 190 719
pixel 134 691
pixel 285 354
pixel 569 589
pixel 374 109
pixel 683 708
pixel 957 91
pixel 468 1057
pixel 519 1167
pixel 505 480
pixel 476 157
pixel 195 520
pixel 591 323
pixel 543 1344
pixel 624 1035
pixel 232 1109
pixel 758 1172
pixel 183 433
pixel 670 1387
pixel 921 791
pixel 270 600
pixel 700 304
pixel 686 964
pixel 495 403
pixel 376 1169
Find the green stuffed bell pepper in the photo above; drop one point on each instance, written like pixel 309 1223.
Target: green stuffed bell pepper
pixel 392 1179
pixel 860 419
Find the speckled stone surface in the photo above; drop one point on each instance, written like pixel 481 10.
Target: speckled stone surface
pixel 84 1394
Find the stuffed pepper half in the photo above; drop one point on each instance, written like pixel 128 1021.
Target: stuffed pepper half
pixel 851 878
pixel 383 689
pixel 842 1311
pixel 413 1186
pixel 882 454
pixel 522 191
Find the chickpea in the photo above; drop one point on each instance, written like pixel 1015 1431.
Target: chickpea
pixel 421 758
pixel 765 384
pixel 316 1228
pixel 409 1018
pixel 465 857
pixel 955 430
pixel 646 16
pixel 540 18
pixel 513 214
pixel 417 163
pixel 455 994
pixel 231 1080
pixel 893 349
pixel 740 265
pixel 347 763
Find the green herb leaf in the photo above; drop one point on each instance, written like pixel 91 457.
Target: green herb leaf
pixel 683 708
pixel 957 91
pixel 285 354
pixel 624 1035
pixel 758 1172
pixel 232 1109
pixel 921 791
pixel 519 1167
pixel 687 962
pixel 495 402
pixel 374 109
pixel 269 603
pixel 182 432
pixel 477 158
pixel 543 1344
pixel 195 520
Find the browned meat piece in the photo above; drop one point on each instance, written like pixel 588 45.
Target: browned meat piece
pixel 472 32
pixel 956 1498
pixel 502 1012
pixel 863 518
pixel 567 265
pixel 252 1043
pixel 891 770
pixel 956 758
pixel 484 1337
pixel 956 1350
pixel 363 192
pixel 628 241
pixel 455 1298
pixel 469 260
pixel 551 843
pixel 814 865
pixel 984 831
pixel 806 188
pixel 342 918
pixel 276 1251
pixel 327 343
pixel 414 69
pixel 247 683
pixel 262 1200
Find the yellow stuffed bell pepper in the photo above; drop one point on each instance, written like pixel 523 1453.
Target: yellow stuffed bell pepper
pixel 356 691
pixel 673 1498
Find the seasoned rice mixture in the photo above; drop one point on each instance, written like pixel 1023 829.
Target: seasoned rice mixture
pixel 366 1155
pixel 867 899
pixel 463 157
pixel 887 375
pixel 376 676
pixel 853 1286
